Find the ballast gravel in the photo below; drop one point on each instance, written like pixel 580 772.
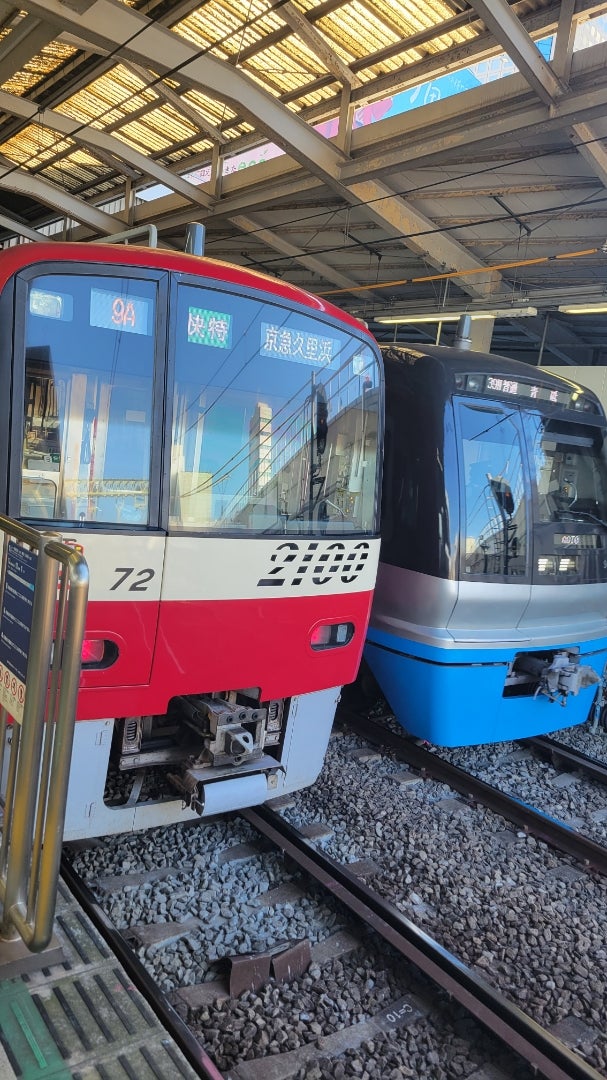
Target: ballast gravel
pixel 568 796
pixel 527 919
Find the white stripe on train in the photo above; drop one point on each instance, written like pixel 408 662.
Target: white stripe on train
pixel 139 567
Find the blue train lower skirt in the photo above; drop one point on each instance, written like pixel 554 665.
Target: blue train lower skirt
pixel 455 697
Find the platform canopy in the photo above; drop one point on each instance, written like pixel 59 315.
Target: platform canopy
pixel 400 157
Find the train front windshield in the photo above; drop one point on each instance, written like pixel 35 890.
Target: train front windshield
pixel 570 472
pixel 273 411
pixel 275 420
pixel 534 493
pixel 495 503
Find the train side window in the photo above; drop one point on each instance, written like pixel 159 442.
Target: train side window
pixel 494 524
pixel 88 379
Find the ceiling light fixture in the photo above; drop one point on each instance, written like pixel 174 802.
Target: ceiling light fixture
pixel 584 309
pixel 454 316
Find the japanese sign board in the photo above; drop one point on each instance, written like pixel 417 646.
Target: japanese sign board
pixel 15 626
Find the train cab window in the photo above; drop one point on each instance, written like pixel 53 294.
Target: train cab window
pixel 494 529
pixel 569 471
pixel 275 420
pixel 89 372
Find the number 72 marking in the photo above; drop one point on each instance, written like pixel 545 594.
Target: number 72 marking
pixel 140 585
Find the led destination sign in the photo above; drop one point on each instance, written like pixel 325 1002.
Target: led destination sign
pixel 533 391
pixel 108 310
pixel 212 328
pixel 527 391
pixel 577 540
pixel 114 311
pixel 301 346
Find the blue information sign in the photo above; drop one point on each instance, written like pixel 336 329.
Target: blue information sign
pixel 16 625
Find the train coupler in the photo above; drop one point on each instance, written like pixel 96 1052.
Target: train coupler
pixel 554 675
pixel 231 733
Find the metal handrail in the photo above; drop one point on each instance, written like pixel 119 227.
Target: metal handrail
pixel 41 745
pixel 148 231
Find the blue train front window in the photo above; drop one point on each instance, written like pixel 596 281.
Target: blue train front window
pixel 88 380
pixel 570 472
pixel 494 529
pixel 275 419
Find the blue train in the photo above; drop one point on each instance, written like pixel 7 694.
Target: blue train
pixel 490 611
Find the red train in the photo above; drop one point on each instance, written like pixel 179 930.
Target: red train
pixel 211 438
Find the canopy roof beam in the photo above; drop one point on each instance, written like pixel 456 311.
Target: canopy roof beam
pixel 114 27
pixel 27 38
pixel 275 240
pixel 99 140
pixel 491 115
pixel 25 183
pixel 502 22
pixel 312 37
pixel 177 102
pixel 565 37
pixel 499 17
pixel 556 337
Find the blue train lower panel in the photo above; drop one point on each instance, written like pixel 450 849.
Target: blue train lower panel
pixel 455 697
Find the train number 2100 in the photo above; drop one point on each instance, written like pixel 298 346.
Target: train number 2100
pixel 139 584
pixel 335 561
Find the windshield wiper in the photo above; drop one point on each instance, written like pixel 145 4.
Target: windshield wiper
pixel 581 514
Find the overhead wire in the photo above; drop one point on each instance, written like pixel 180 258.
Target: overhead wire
pixel 404 193
pixel 276 5
pixel 488 269
pixel 153 81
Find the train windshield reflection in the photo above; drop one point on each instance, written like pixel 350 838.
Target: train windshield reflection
pixel 495 508
pixel 569 462
pixel 88 382
pixel 275 424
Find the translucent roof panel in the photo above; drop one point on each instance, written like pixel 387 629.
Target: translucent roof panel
pixel 417 192
pixel 301 52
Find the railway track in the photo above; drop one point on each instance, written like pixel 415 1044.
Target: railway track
pixel 559 755
pixel 540 824
pixel 542 1052
pixel 522 1037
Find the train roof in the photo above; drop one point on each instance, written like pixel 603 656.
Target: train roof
pixel 452 361
pixel 23 255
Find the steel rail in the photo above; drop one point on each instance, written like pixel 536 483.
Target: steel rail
pixel 546 1054
pixel 567 755
pixel 553 832
pixel 142 980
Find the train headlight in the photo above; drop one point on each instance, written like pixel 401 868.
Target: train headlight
pixel 331 635
pixel 552 564
pixel 98 653
pixel 546 564
pixel 476 383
